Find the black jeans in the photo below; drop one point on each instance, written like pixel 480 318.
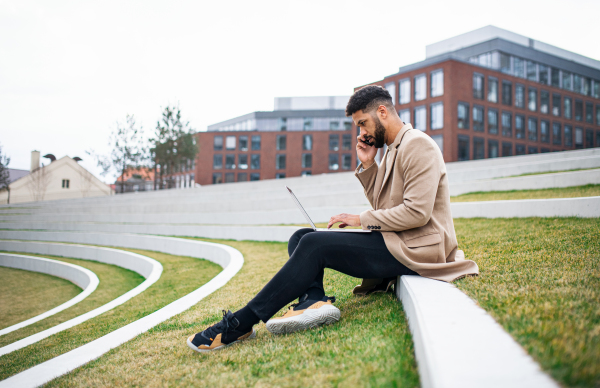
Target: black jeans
pixel 361 255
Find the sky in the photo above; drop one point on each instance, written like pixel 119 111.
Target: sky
pixel 69 70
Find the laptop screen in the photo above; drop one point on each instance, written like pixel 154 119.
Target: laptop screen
pixel 301 208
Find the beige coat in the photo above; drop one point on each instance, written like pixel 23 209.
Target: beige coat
pixel 411 202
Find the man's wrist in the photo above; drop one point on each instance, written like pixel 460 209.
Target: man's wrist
pixel 367 164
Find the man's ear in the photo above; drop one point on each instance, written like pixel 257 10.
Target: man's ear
pixel 382 111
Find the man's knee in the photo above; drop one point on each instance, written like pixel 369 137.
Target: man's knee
pixel 299 234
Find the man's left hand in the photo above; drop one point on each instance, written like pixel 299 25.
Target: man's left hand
pixel 345 219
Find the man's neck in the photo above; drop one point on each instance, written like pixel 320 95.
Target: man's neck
pixel 393 131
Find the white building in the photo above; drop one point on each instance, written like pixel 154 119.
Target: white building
pixel 61 179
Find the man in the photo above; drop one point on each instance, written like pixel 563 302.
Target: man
pixel 412 232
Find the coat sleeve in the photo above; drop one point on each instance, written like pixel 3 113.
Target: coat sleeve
pixel 422 173
pixel 367 180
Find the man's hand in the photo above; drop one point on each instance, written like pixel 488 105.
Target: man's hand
pixel 366 153
pixel 345 219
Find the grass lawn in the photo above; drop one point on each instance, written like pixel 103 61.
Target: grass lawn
pixel 540 279
pixel 370 346
pixel 181 275
pixel 548 172
pixel 23 294
pixel 563 192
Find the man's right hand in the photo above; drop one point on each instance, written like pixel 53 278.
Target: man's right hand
pixel 366 153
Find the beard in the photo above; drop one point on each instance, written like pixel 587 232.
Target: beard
pixel 379 133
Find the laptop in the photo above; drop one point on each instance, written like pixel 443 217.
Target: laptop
pixel 312 223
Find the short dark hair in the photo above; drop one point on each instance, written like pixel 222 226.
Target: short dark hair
pixel 369 98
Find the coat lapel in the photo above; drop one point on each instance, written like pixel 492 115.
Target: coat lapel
pixel 379 180
pixel 388 170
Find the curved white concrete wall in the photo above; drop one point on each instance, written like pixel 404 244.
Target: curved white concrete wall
pixel 82 277
pixel 145 266
pixel 458 344
pixel 230 258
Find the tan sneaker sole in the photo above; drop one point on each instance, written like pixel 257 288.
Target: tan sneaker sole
pixel 310 318
pixel 194 347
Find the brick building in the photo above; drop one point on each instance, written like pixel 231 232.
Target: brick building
pixel 302 136
pixel 491 93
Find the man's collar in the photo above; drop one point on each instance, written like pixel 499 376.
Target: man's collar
pixel 398 138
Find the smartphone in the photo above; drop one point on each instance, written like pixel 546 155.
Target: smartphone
pixel 367 142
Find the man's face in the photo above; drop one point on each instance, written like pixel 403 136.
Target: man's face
pixel 371 128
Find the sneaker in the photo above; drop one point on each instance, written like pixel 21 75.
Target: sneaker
pixel 306 314
pixel 219 335
pixel 367 288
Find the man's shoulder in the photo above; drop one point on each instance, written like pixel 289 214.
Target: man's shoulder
pixel 417 139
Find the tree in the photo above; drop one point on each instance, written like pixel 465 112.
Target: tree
pixel 173 144
pixel 128 149
pixel 4 175
pixel 39 179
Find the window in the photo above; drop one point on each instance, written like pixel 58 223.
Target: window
pixel 334 142
pixel 506 93
pixel 556 105
pixel 229 161
pixel 556 134
pixel 218 143
pixel 589 138
pixel 404 86
pixel 229 177
pixel 478 148
pixel 520 96
pixel 555 77
pixel 255 162
pixel 282 123
pixel 217 178
pixel 347 127
pixel 543 74
pixel 519 67
pixel 578 110
pixel 545 131
pixel 532 150
pixel 597 139
pixel 391 88
pixel 437 115
pixel 545 150
pixel 532 100
pixel 346 142
pixel 505 66
pixel 506 124
pixel 463 116
pixel 532 71
pixel 532 129
pixel 567 80
pixel 493 149
pixel 346 162
pixel 577 83
pixel 596 91
pixel 506 149
pixel 308 124
pixel 544 102
pixel 589 114
pixel 463 147
pixel 306 160
pixel 334 162
pixel 242 176
pixel 420 87
pixel 492 95
pixel 306 173
pixel 568 108
pixel 217 161
pixel 243 143
pixel 478 86
pixel 281 142
pixel 65 183
pixel 404 115
pixel 437 83
pixel 256 143
pixel 420 118
pixel 597 114
pixel 520 149
pixel 578 137
pixel 493 121
pixel 439 140
pixel 254 176
pixel 568 136
pixel 243 161
pixel 334 125
pixel 230 143
pixel 307 142
pixel 477 119
pixel 587 86
pixel 280 175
